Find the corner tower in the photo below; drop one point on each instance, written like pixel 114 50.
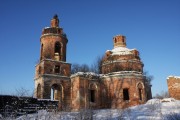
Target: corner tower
pixel 52 72
pixel 124 69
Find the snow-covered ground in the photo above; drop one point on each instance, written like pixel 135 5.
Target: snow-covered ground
pixel 155 109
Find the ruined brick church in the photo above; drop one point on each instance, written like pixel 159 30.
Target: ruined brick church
pixel 121 84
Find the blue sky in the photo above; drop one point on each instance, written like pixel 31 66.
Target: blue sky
pixel 151 26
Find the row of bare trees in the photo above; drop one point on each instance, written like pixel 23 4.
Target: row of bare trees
pixel 94 67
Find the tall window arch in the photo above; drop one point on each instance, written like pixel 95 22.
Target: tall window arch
pixel 57 48
pixel 123 40
pixel 115 40
pixel 92 93
pixel 39 91
pixel 41 50
pixel 140 91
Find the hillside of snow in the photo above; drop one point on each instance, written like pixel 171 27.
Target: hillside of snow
pixel 155 109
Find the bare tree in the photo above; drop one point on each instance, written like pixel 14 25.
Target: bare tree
pixel 148 78
pixel 75 68
pixel 96 67
pixel 21 92
pixel 163 94
pixel 84 68
pixel 79 68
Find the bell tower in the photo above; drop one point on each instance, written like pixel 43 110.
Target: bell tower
pixel 53 42
pixel 52 75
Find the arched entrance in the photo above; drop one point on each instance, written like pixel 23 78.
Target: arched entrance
pixel 57 92
pixel 93 93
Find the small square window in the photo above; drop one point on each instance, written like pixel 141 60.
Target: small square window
pixel 57 69
pixel 125 94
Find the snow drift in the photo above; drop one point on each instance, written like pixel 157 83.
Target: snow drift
pixel 155 109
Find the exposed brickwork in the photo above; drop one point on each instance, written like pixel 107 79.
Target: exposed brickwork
pixel 174 86
pixel 121 58
pixel 108 90
pixel 119 41
pixel 121 85
pixel 80 89
pixel 52 78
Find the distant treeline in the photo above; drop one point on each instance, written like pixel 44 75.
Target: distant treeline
pixel 15 106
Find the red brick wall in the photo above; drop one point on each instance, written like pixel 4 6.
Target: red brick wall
pixel 109 92
pixel 174 86
pixel 49 44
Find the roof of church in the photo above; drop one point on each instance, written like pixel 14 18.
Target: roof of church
pixel 121 51
pixel 91 75
pixel 171 76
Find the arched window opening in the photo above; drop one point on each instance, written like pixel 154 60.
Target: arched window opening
pixel 39 71
pixel 115 40
pixel 140 93
pixel 140 88
pixel 54 92
pixel 41 51
pixel 39 91
pixel 92 96
pixel 57 49
pixel 123 40
pixel 104 93
pixel 125 94
pixel 92 93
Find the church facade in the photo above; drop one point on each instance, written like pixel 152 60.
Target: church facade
pixel 121 84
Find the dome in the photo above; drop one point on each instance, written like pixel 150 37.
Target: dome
pixel 121 58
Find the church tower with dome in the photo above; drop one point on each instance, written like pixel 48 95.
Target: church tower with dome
pixel 52 76
pixel 122 71
pixel 120 58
